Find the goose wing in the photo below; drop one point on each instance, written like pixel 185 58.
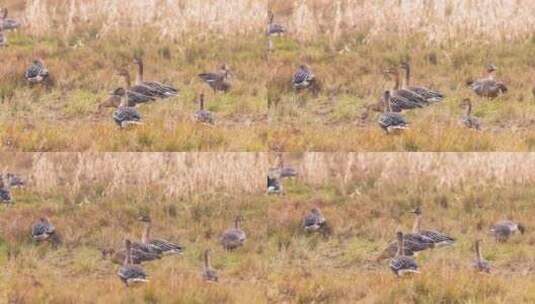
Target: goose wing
pixel 165 246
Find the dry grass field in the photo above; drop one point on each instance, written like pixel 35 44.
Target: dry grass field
pixel 94 199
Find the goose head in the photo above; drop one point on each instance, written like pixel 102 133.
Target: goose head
pixel 521 228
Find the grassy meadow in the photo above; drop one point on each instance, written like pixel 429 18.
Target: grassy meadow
pixel 84 43
pixel 347 44
pixel 94 199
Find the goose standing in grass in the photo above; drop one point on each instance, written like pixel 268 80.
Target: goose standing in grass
pixel 468 120
pixel 480 264
pixel 115 97
pixel 202 115
pixel 403 98
pixel 43 230
pixel 440 239
pixel 314 220
pixel 126 115
pixel 488 87
pixel 303 78
pixel 428 94
pixel 129 273
pixel 208 273
pixel 219 80
pixel 413 243
pixel 388 120
pixel 402 264
pixel 235 237
pixel 158 245
pixel 36 72
pixel 505 229
pixel 274 29
pixel 7 23
pixel 137 256
pixel 159 89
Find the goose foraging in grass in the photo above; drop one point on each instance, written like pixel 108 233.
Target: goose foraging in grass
pixel 488 87
pixel 440 239
pixel 233 238
pixel 126 115
pixel 36 72
pixel 303 78
pixel 505 229
pixel 428 94
pixel 208 273
pixel 129 273
pixel 202 115
pixel 43 230
pixel 390 121
pixel 314 220
pixel 402 264
pixel 158 245
pixel 219 80
pixel 274 29
pixel 158 89
pixel 468 120
pixel 480 264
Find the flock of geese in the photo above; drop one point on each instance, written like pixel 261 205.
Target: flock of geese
pixel 401 251
pixel 402 96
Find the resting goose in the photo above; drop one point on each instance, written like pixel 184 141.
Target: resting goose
pixel 440 239
pixel 314 220
pixel 234 237
pixel 480 264
pixel 125 115
pixel 218 81
pixel 389 120
pixel 138 256
pixel 157 245
pixel 468 120
pixel 140 90
pixel 504 229
pixel 402 264
pixel 428 94
pixel 129 273
pixel 36 72
pixel 412 244
pixel 488 87
pixel 208 273
pixel 159 89
pixel 402 98
pixel 202 115
pixel 274 29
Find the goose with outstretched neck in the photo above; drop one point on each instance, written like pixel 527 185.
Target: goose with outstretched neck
pixel 467 119
pixel 202 115
pixel 480 264
pixel 130 273
pixel 156 89
pixel 208 273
